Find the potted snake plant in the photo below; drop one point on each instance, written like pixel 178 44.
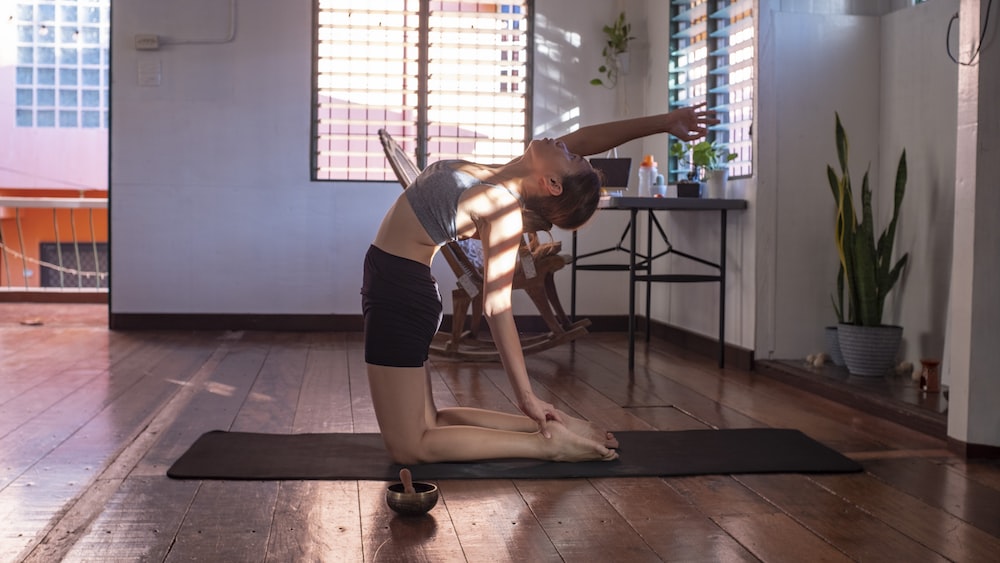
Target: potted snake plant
pixel 867 272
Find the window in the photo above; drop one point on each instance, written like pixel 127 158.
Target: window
pixel 712 61
pixel 446 79
pixel 73 264
pixel 62 63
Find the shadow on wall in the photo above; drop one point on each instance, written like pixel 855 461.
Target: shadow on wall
pixel 556 97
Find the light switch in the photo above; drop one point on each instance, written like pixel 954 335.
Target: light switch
pixel 150 73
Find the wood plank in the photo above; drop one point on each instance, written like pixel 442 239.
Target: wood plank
pixel 938 530
pixel 581 523
pixel 718 496
pixel 469 384
pixel 387 536
pixel 231 520
pixel 76 522
pixel 316 521
pixel 137 522
pixel 672 527
pixel 30 443
pixel 648 388
pixel 560 385
pixel 271 402
pixel 36 399
pixel 571 395
pixel 214 406
pixel 933 483
pixel 668 418
pixel 37 365
pixel 494 523
pixel 759 533
pixel 837 521
pixel 986 472
pixel 325 398
pixel 217 525
pixel 17 344
pixel 69 468
pixel 775 403
pixel 362 409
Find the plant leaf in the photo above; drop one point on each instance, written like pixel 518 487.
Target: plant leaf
pixel 841 146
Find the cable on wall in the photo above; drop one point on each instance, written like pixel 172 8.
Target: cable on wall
pixel 230 33
pixel 982 36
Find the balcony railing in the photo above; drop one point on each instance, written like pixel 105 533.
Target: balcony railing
pixel 53 248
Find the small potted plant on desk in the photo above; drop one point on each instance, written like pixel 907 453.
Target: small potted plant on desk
pixel 704 160
pixel 866 273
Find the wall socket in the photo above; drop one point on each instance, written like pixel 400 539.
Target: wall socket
pixel 147 42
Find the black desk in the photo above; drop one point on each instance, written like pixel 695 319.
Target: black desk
pixel 644 262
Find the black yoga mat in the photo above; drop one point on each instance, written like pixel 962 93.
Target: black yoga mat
pixel 241 455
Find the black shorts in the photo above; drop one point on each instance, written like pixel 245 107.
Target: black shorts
pixel 402 309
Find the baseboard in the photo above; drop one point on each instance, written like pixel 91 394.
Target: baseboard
pixel 910 416
pixel 973 451
pixel 306 323
pixel 735 357
pixel 183 321
pixel 92 297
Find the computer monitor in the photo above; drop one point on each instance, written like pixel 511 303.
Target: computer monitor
pixel 616 171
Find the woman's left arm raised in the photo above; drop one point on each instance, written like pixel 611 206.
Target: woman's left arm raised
pixel 687 124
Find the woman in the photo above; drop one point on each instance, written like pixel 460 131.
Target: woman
pixel 453 200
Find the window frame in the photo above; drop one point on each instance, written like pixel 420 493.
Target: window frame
pixel 718 91
pixel 417 145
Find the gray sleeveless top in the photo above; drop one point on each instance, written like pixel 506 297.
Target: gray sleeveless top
pixel 434 198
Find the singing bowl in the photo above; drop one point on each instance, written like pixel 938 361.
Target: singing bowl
pixel 424 497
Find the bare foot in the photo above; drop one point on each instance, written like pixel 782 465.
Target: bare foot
pixel 589 430
pixel 568 446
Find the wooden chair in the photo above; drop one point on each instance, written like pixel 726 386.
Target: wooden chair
pixel 535 275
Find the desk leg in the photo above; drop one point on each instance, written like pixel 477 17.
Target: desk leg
pixel 572 283
pixel 722 292
pixel 631 291
pixel 649 272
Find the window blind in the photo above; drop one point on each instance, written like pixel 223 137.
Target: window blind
pixel 712 61
pixel 446 79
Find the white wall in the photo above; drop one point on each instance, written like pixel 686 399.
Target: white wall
pixel 888 77
pixel 974 309
pixel 820 64
pixel 212 207
pixel 919 113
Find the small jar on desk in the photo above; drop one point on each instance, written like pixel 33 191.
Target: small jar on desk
pixel 659 187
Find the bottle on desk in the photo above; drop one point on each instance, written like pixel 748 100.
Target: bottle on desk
pixel 647 176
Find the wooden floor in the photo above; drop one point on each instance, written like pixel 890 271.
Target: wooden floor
pixel 90 420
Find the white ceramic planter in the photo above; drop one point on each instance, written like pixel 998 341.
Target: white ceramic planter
pixel 715 183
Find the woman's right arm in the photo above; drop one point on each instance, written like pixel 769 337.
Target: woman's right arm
pixel 687 124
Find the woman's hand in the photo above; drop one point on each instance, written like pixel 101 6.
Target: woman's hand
pixel 540 411
pixel 686 124
pixel 692 122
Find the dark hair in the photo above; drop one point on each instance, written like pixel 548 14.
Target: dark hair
pixel 574 206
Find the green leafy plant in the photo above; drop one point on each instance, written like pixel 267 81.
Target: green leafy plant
pixel 617 37
pixel 701 157
pixel 866 271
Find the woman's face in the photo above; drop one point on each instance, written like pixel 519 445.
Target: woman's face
pixel 553 155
